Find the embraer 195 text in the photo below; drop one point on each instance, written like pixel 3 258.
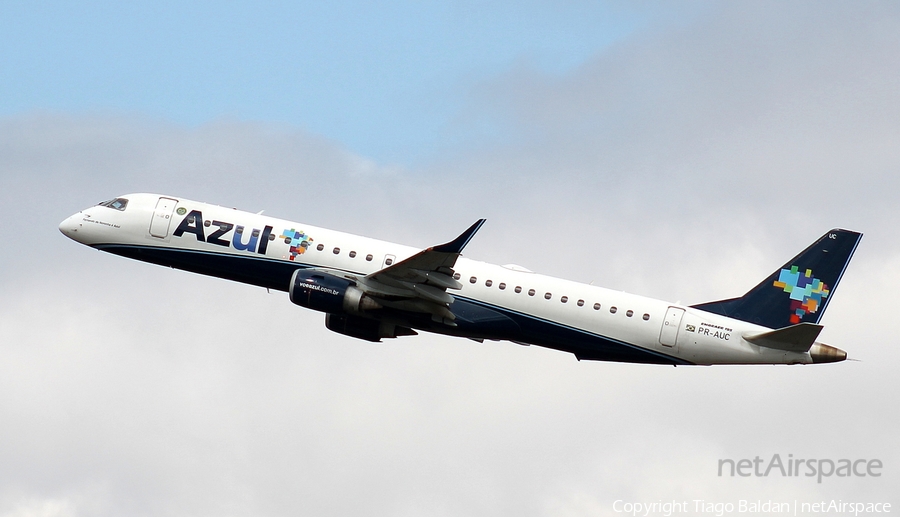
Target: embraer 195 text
pixel 371 289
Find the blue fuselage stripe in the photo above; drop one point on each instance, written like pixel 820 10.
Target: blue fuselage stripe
pixel 528 328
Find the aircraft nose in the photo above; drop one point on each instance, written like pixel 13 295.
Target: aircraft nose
pixel 71 226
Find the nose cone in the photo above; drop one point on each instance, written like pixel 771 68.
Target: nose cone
pixel 71 227
pixel 821 353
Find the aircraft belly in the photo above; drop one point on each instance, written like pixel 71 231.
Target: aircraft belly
pixel 480 321
pixel 262 272
pixel 583 344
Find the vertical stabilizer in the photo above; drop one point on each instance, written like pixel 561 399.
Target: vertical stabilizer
pixel 800 290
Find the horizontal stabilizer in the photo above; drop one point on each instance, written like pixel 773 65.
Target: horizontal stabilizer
pixel 796 338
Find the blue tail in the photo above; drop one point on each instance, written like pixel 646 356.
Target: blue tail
pixel 800 291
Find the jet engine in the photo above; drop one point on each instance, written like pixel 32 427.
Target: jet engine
pixel 328 293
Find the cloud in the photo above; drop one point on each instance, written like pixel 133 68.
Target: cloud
pixel 688 162
pixel 734 107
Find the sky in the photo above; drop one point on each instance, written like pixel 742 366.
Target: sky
pixel 678 151
pixel 387 80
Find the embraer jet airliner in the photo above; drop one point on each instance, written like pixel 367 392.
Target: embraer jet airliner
pixel 370 289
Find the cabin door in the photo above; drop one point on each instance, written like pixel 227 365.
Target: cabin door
pixel 162 217
pixel 668 336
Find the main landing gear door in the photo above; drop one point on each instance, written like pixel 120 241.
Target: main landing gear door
pixel 668 336
pixel 162 217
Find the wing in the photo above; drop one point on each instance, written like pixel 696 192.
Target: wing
pixel 420 283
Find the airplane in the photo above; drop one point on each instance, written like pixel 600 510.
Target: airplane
pixel 373 290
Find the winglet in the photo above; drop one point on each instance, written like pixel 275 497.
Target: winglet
pixel 457 244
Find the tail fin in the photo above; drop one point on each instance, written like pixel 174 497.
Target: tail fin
pixel 800 290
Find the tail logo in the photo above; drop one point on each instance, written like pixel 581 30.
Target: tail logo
pixel 806 291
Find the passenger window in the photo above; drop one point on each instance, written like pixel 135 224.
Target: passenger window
pixel 473 280
pixel 547 296
pixel 613 310
pixel 488 283
pixel 369 257
pixel 646 317
pixel 518 289
pixel 531 292
pixel 629 313
pixel 336 251
pixel 581 303
pixel 320 247
pixel 352 254
pixel 502 286
pixel 564 299
pixel 596 306
pixel 456 276
pixel 388 261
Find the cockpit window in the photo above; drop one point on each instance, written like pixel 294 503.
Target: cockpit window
pixel 118 203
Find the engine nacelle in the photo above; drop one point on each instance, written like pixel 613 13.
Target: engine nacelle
pixel 328 293
pixel 362 328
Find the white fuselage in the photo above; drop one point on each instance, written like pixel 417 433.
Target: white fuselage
pixel 676 333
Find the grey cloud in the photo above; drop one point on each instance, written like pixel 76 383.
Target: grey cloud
pixel 730 110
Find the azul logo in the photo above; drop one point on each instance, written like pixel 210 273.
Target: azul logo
pixel 297 240
pixel 257 241
pixel 807 291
